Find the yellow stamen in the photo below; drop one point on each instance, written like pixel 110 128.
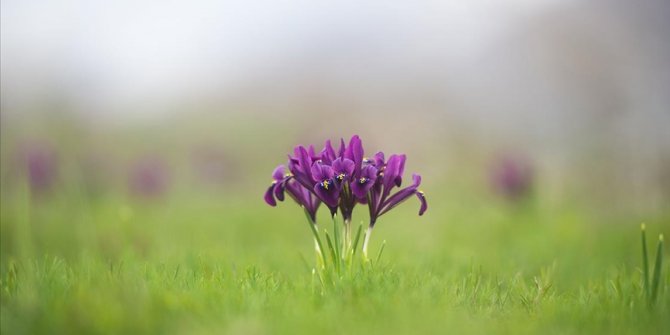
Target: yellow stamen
pixel 340 176
pixel 363 180
pixel 325 184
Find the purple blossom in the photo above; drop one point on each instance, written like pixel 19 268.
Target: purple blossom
pixel 342 179
pixel 282 183
pixel 511 176
pixel 148 177
pixel 380 199
pixel 40 163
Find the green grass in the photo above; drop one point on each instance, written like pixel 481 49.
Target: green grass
pixel 205 262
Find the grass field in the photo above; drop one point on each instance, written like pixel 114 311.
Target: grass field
pixel 202 261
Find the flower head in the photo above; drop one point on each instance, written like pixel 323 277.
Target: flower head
pixel 343 178
pixel 286 182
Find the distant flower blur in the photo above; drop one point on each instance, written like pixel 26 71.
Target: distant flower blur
pixel 212 166
pixel 40 164
pixel 148 177
pixel 511 176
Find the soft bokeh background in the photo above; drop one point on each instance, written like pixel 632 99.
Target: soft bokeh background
pixel 151 128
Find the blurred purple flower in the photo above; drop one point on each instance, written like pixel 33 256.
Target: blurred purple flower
pixel 212 166
pixel 148 177
pixel 511 176
pixel 40 163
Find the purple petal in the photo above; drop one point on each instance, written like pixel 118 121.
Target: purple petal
pixel 328 153
pixel 278 173
pixel 342 149
pixel 401 170
pixel 328 193
pixel 321 172
pixel 360 188
pixel 392 170
pixel 312 153
pixel 402 195
pixel 303 157
pixel 269 199
pixel 361 185
pixel 379 159
pixel 279 189
pixel 369 172
pixel 355 152
pixel 343 165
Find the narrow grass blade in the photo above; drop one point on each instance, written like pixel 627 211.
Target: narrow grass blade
pixel 358 237
pixel 317 238
pixel 645 262
pixel 657 270
pixel 336 237
pixel 330 246
pixel 381 250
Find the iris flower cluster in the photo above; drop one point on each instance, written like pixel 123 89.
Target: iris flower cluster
pixel 342 179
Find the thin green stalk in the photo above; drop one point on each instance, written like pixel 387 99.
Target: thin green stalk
pixel 657 270
pixel 347 237
pixel 317 239
pixel 366 242
pixel 645 262
pixel 333 253
pixel 381 250
pixel 358 237
pixel 336 237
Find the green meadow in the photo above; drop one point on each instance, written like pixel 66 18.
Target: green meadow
pixel 200 259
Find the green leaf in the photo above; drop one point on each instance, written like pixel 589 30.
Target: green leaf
pixel 657 270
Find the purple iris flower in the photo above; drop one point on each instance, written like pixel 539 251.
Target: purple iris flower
pixel 341 179
pixel 285 182
pixel 380 200
pixel 325 186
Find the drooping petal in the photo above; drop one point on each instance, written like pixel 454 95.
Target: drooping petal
pixel 424 204
pixel 280 188
pixel 327 192
pixel 269 198
pixel 400 196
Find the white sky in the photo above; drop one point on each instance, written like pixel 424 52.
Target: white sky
pixel 116 52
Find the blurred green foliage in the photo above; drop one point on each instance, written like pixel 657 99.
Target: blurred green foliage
pixel 201 259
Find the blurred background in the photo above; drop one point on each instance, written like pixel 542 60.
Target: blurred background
pixel 115 114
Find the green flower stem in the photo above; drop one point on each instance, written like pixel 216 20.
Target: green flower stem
pixel 366 241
